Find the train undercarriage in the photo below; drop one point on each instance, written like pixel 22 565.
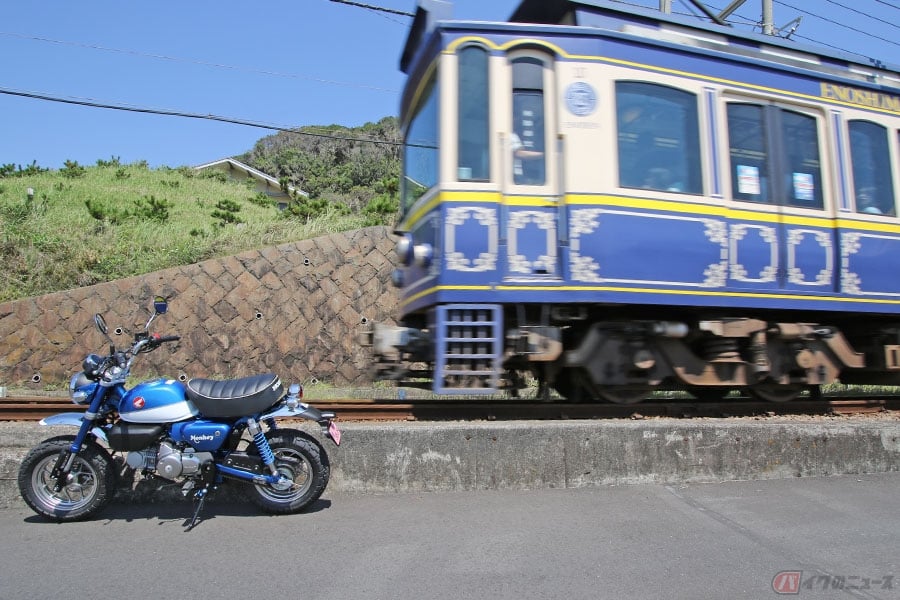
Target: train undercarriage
pixel 621 356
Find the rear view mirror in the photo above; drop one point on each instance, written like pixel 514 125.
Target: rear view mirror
pixel 160 305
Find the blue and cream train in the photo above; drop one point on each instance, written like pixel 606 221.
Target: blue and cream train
pixel 612 201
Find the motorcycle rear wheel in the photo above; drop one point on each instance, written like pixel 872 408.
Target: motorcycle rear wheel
pixel 299 459
pixel 91 483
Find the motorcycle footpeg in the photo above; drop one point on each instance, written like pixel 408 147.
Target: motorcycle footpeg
pixel 186 488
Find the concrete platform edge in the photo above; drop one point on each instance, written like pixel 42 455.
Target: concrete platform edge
pixel 438 456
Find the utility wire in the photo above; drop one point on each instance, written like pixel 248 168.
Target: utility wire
pixel 391 11
pixel 193 61
pixel 208 117
pixel 888 4
pixel 838 23
pixel 865 14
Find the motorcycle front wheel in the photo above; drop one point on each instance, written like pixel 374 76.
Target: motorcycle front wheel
pixel 302 462
pixel 90 485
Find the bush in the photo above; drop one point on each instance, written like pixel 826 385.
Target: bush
pixel 72 170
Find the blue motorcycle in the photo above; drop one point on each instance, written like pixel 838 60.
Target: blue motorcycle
pixel 196 433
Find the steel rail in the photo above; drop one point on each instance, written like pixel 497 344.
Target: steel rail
pixel 32 408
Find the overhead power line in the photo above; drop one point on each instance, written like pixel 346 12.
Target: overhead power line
pixel 391 11
pixel 838 23
pixel 863 13
pixel 194 61
pixel 189 115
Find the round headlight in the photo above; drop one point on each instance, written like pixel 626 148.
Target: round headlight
pixel 91 364
pixel 404 249
pixel 422 255
pixel 79 388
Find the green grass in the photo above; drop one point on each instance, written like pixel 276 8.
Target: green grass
pixel 52 242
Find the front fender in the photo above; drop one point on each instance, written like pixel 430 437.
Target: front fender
pixel 72 420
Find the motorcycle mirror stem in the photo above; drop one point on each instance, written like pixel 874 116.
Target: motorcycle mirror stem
pixel 160 306
pixel 100 322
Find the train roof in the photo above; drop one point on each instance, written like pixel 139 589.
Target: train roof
pixel 624 19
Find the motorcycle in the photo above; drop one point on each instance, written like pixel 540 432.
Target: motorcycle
pixel 190 433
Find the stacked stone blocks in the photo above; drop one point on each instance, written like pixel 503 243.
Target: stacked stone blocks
pixel 296 309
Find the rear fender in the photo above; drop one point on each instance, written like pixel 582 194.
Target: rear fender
pixel 305 411
pixel 72 420
pixel 302 411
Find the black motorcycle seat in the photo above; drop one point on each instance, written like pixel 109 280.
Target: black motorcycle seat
pixel 223 398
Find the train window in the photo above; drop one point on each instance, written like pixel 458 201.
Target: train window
pixel 871 164
pixel 659 138
pixel 420 157
pixel 803 170
pixel 748 146
pixel 474 100
pixel 756 133
pixel 527 141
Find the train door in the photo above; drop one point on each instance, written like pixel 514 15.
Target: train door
pixel 780 237
pixel 531 200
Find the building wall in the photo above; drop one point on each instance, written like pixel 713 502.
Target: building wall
pixel 295 309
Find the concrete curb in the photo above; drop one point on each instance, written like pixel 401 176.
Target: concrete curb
pixel 410 457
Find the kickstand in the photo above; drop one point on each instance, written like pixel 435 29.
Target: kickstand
pixel 199 498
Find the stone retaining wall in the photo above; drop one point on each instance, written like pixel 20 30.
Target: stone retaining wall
pixel 295 309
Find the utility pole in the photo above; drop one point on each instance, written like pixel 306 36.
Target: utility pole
pixel 665 6
pixel 768 18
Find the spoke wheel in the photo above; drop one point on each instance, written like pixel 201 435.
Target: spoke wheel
pixel 89 486
pixel 303 467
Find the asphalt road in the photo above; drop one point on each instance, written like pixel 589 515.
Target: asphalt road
pixel 829 537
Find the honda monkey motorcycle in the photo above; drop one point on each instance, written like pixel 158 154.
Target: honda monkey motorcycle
pixel 197 434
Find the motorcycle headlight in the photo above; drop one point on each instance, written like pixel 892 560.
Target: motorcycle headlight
pixel 91 364
pixel 81 388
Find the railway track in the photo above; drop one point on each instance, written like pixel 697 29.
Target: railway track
pixel 33 408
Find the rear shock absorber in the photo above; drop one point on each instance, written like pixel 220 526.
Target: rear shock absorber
pixel 262 444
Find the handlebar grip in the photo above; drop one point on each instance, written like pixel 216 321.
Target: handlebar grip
pixel 168 338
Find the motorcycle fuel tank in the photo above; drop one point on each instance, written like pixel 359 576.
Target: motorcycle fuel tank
pixel 156 401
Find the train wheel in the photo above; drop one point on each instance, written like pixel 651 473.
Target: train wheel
pixel 774 392
pixel 623 394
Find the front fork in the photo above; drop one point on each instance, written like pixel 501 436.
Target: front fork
pixel 66 458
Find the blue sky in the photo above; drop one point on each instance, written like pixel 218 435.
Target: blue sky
pixel 284 63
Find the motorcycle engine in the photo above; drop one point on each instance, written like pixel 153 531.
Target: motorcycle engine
pixel 168 461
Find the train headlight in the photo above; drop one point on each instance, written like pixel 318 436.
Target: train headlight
pixel 422 254
pixel 404 249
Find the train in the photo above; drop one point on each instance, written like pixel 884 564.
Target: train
pixel 604 201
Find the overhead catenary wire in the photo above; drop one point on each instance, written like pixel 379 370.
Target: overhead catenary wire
pixel 838 23
pixel 372 7
pixel 755 23
pixel 209 117
pixel 863 13
pixel 203 63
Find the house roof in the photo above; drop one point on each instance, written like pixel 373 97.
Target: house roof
pixel 230 164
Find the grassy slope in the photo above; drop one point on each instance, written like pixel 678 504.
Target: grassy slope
pixel 54 243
